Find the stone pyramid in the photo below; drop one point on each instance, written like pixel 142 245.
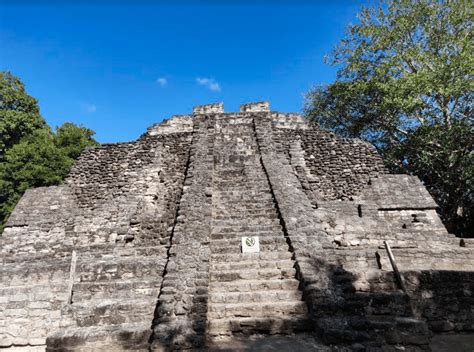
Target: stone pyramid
pixel 214 226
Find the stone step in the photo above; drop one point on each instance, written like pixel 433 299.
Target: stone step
pixel 239 209
pixel 251 217
pixel 242 202
pixel 253 274
pixel 400 240
pixel 256 309
pixel 234 188
pixel 269 213
pixel 112 312
pixel 245 170
pixel 236 240
pixel 255 296
pixel 392 329
pixel 90 252
pixel 239 235
pixel 231 148
pixel 249 169
pixel 234 133
pixel 83 291
pixel 249 174
pixel 234 249
pixel 260 191
pixel 362 303
pixel 244 285
pixel 227 214
pixel 44 273
pixel 454 241
pixel 266 325
pixel 50 291
pixel 236 128
pixel 13 258
pixel 239 183
pixel 466 242
pixel 232 153
pixel 234 170
pixel 248 222
pixel 217 266
pixel 238 188
pixel 121 268
pixel 237 257
pixel 246 228
pixel 251 149
pixel 368 252
pixel 402 235
pixel 101 338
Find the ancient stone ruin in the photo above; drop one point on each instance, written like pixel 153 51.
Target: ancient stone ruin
pixel 141 248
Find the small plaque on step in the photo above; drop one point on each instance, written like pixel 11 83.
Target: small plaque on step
pixel 250 244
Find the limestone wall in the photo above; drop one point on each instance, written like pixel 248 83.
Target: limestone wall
pixel 156 226
pixel 329 166
pixel 31 296
pixel 176 124
pixel 116 210
pixel 348 279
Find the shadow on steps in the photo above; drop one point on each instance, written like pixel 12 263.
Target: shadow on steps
pixel 256 343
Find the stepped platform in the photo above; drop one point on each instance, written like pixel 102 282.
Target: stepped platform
pixel 143 248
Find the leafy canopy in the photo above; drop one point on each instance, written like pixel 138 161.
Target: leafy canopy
pixel 19 112
pixel 405 83
pixel 73 139
pixel 31 154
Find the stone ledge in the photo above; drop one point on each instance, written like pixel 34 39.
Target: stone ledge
pixel 214 108
pixel 255 107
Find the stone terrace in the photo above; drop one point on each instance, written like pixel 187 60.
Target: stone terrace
pixel 140 248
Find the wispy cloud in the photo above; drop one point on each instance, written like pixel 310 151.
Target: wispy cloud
pixel 162 81
pixel 89 107
pixel 209 83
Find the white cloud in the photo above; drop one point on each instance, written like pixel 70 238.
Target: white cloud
pixel 210 83
pixel 162 81
pixel 89 107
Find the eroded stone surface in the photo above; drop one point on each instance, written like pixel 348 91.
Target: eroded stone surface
pixel 157 226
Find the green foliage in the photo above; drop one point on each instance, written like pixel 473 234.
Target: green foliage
pixel 73 139
pixel 444 159
pixel 34 162
pixel 405 83
pixel 19 112
pixel 31 155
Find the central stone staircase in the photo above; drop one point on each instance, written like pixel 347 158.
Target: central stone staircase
pixel 250 293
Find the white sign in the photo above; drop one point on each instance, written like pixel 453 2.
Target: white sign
pixel 250 244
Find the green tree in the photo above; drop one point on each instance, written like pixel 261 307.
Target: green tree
pixel 34 162
pixel 31 154
pixel 405 83
pixel 19 112
pixel 73 139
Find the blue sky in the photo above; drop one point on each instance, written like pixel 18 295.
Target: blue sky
pixel 120 66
